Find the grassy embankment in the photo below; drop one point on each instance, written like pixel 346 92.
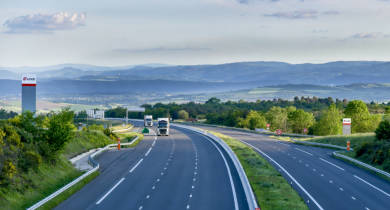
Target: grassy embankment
pixel 116 124
pixel 337 140
pixel 128 137
pixel 27 189
pixel 271 189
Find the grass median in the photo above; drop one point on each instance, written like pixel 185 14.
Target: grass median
pixel 129 137
pixel 272 191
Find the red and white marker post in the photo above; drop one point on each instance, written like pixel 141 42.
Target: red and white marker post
pixel 119 143
pixel 279 132
pixel 348 145
pixel 268 126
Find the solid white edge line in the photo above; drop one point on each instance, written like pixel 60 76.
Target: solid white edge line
pixel 303 151
pixel 110 191
pixel 136 165
pixel 332 164
pixel 371 185
pixel 230 176
pixel 148 152
pixel 283 144
pixel 303 189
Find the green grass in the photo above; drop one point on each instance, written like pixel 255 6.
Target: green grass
pixel 78 108
pixel 272 190
pixel 26 189
pixel 128 137
pixel 338 140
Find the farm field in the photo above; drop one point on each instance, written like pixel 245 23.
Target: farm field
pixel 45 106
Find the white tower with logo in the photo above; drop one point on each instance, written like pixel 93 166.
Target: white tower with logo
pixel 29 92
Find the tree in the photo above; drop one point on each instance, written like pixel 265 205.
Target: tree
pixel 60 131
pixel 213 100
pixel 278 116
pixel 382 133
pixel 255 120
pixel 330 122
pixel 183 114
pixel 299 119
pixel 358 112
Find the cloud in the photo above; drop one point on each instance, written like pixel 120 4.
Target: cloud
pixel 190 48
pixel 319 31
pixel 250 1
pixel 366 35
pixel 386 36
pixel 331 12
pixel 44 23
pixel 297 14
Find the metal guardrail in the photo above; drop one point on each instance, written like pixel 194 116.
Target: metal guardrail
pixel 90 161
pixel 361 163
pixel 319 144
pixel 247 130
pixel 244 180
pixel 124 129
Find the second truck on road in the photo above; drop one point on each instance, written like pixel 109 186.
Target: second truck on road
pixel 148 120
pixel 162 126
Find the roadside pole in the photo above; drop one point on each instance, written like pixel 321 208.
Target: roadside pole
pixel 348 145
pixel 119 143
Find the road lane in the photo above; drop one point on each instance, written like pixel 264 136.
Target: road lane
pixel 180 171
pixel 320 175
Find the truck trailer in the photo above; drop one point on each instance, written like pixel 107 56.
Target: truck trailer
pixel 148 120
pixel 162 126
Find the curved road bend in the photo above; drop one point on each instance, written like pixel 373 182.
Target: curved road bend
pixel 325 182
pixel 181 171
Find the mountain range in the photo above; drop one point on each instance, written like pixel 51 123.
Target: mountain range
pixel 336 73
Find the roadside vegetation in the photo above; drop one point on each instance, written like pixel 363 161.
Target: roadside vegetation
pixel 34 154
pixel 129 137
pixel 272 190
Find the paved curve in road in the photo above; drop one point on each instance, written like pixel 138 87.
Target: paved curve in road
pixel 181 171
pixel 322 181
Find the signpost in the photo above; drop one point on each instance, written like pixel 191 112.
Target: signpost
pixel 347 126
pixel 348 145
pixel 119 143
pixel 279 132
pixel 133 109
pixel 268 126
pixel 305 130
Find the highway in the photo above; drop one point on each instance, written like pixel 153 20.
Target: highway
pixel 181 171
pixel 322 181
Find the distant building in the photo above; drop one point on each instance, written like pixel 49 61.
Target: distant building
pixel 99 115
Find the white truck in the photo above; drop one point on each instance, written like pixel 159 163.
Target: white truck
pixel 162 126
pixel 148 120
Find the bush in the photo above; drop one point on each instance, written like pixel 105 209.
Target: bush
pixel 108 132
pixel 30 160
pixel 382 133
pixel 9 169
pixel 386 165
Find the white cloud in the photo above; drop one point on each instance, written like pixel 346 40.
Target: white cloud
pixel 319 31
pixel 331 12
pixel 44 23
pixel 297 14
pixel 189 48
pixel 366 35
pixel 386 36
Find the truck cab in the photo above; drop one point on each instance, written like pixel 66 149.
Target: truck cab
pixel 163 126
pixel 148 120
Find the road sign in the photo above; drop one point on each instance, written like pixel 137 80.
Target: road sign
pixel 305 130
pixel 279 132
pixel 261 129
pixel 268 126
pixel 347 125
pixel 145 130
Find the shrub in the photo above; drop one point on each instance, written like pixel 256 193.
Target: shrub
pixel 30 160
pixel 84 129
pixel 108 132
pixel 382 133
pixel 9 169
pixel 362 149
pixel 386 165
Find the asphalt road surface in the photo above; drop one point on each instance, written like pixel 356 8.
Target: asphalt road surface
pixel 181 171
pixel 322 181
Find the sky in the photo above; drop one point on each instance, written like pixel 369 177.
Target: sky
pixel 192 32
